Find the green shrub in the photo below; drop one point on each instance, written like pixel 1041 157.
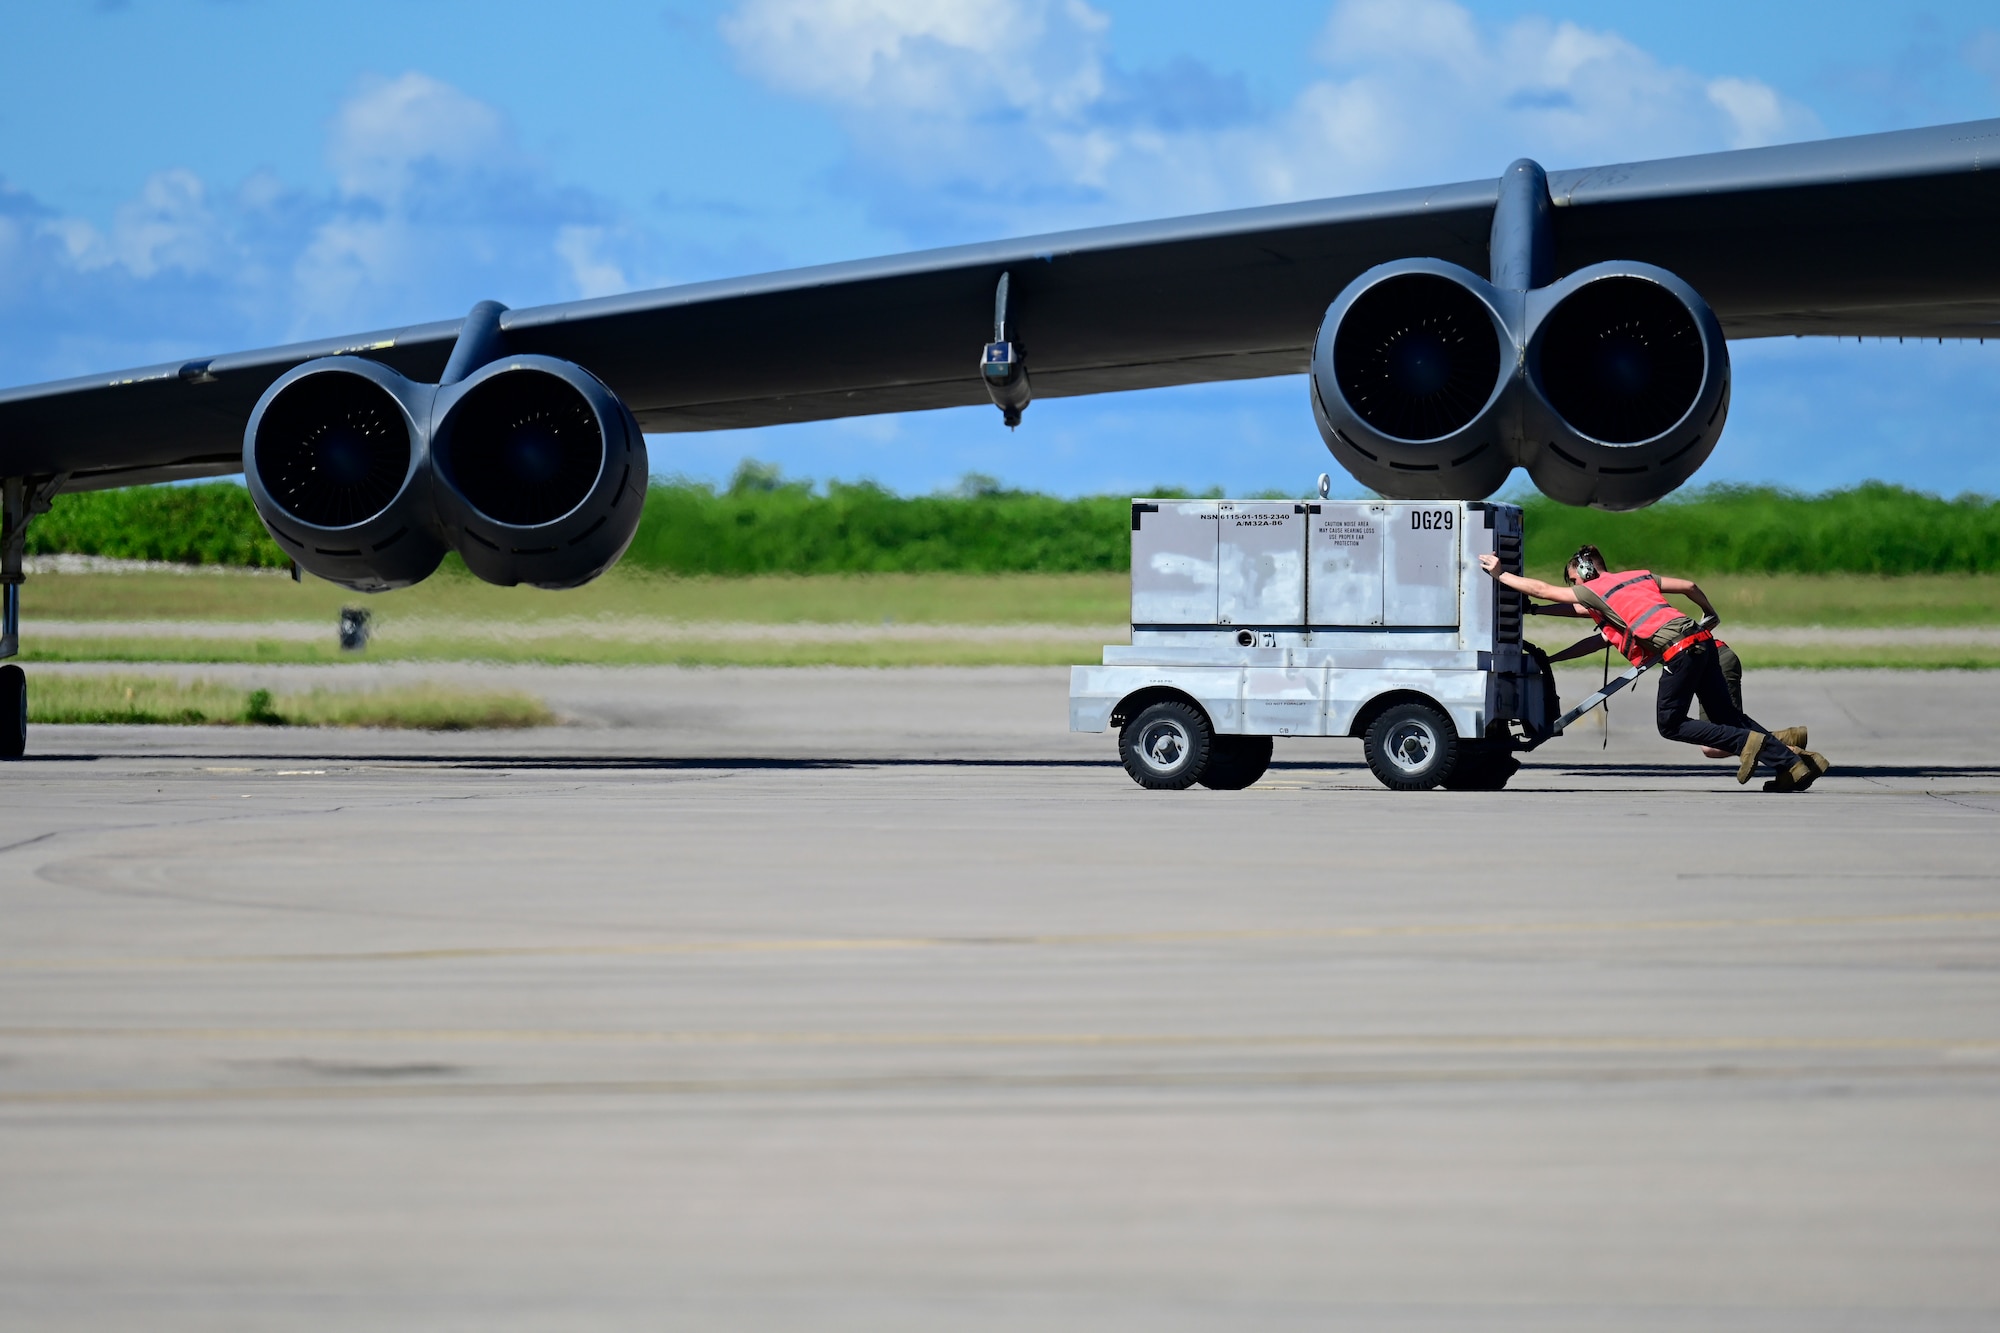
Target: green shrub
pixel 762 523
pixel 1874 528
pixel 211 524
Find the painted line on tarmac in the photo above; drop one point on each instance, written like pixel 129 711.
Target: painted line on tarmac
pixel 1602 1043
pixel 863 944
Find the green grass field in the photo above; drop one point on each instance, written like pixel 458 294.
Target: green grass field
pixel 627 591
pixel 142 700
pixel 631 617
pixel 1049 569
pixel 1091 600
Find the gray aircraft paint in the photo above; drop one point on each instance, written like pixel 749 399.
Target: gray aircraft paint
pixel 1877 235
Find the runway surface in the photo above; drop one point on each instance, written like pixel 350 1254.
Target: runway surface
pixel 874 1000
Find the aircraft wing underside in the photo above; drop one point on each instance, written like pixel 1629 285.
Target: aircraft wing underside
pixel 1887 235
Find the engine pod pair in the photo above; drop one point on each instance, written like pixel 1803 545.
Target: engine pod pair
pixel 1610 385
pixel 531 468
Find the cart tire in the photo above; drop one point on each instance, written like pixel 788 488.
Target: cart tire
pixel 1234 762
pixel 1481 768
pixel 1411 747
pixel 13 712
pixel 1167 747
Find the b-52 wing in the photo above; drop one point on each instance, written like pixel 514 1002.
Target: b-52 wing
pixel 1881 235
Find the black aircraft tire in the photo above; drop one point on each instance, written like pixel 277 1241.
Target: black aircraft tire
pixel 13 712
pixel 1167 746
pixel 1235 762
pixel 1481 768
pixel 1411 747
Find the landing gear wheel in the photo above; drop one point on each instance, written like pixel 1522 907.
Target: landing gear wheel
pixel 1481 767
pixel 1411 747
pixel 13 712
pixel 1234 762
pixel 1167 746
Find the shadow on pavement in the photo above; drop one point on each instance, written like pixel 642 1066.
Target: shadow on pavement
pixel 645 763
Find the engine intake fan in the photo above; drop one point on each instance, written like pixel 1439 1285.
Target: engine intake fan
pixel 541 472
pixel 335 463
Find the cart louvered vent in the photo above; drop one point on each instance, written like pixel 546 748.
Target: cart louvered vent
pixel 1507 545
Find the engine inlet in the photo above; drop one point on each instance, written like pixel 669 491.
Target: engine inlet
pixel 525 448
pixel 1621 360
pixel 333 450
pixel 1417 357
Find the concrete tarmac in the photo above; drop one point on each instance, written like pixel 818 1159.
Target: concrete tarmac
pixel 875 1000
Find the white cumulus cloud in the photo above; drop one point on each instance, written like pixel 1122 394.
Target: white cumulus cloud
pixel 434 204
pixel 393 133
pixel 972 114
pixel 926 56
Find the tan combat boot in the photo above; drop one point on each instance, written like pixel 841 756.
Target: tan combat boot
pixel 1747 764
pixel 1807 769
pixel 1792 736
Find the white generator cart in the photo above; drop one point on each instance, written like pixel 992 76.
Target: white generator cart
pixel 1369 619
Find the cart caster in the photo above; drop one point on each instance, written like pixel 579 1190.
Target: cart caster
pixel 1234 762
pixel 13 712
pixel 1167 746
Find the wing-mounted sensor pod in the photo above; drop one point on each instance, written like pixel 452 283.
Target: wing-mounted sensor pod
pixel 1003 365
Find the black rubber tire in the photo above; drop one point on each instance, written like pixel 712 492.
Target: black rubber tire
pixel 1411 747
pixel 13 712
pixel 1166 747
pixel 1481 766
pixel 1234 762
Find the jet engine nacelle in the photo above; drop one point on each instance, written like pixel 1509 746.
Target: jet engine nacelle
pixel 1411 375
pixel 540 472
pixel 1627 381
pixel 1610 386
pixel 530 468
pixel 337 460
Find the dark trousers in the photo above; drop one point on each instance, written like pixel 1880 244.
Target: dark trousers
pixel 1696 673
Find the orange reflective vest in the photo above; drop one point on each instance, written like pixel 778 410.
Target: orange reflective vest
pixel 1639 610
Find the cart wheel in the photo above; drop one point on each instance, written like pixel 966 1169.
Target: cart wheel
pixel 13 712
pixel 1234 762
pixel 1167 746
pixel 1411 747
pixel 1481 767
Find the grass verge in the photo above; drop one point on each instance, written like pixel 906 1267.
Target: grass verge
pixel 625 592
pixel 144 700
pixel 908 599
pixel 1912 657
pixel 581 652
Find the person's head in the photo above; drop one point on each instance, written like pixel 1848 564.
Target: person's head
pixel 1585 565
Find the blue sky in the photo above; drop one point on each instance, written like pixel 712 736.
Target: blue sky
pixel 189 178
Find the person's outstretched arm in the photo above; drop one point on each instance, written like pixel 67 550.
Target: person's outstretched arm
pixel 1572 609
pixel 1691 590
pixel 1548 592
